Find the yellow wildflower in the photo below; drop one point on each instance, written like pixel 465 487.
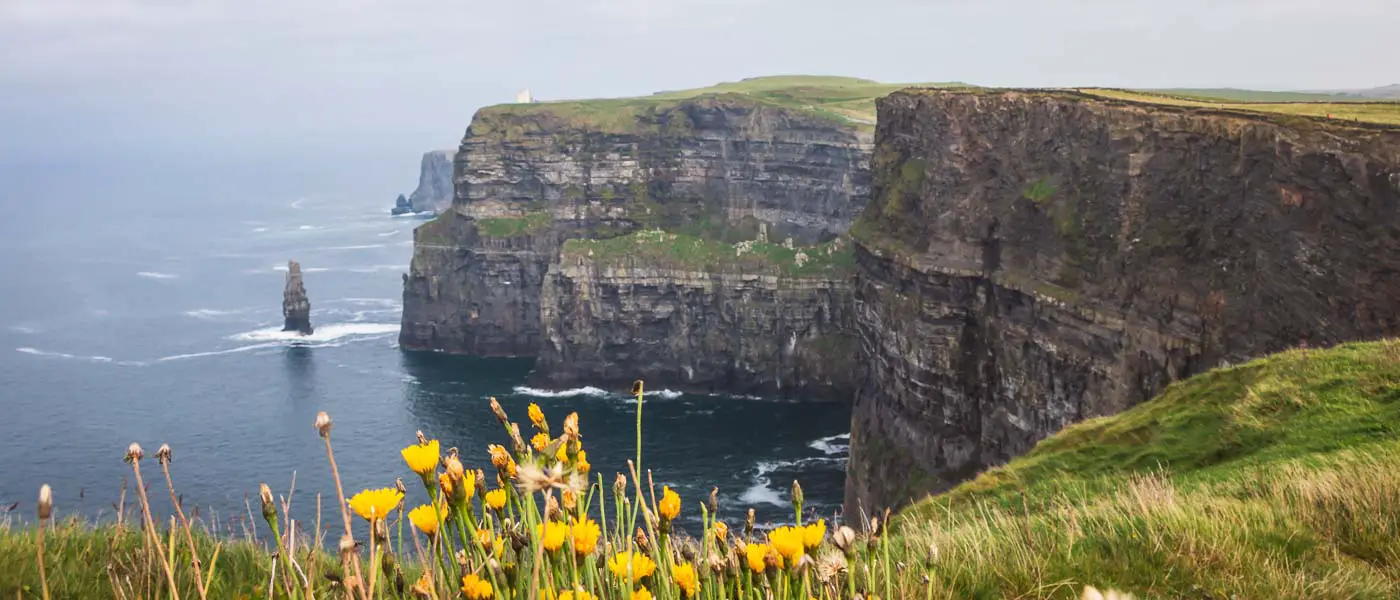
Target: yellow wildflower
pixel 539 441
pixel 787 541
pixel 642 566
pixel 755 553
pixel 552 534
pixel 422 458
pixel 813 534
pixel 469 483
pixel 537 417
pixel 375 504
pixel 583 465
pixel 423 588
pixel 561 454
pixel 575 595
pixel 496 499
pixel 427 518
pixel 670 504
pixel 475 587
pixel 585 533
pixel 641 594
pixel 569 499
pixel 721 531
pixel 686 578
pixel 483 537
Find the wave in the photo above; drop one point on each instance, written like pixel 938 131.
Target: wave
pixel 831 445
pixel 667 394
pixel 385 302
pixel 283 268
pixel 259 229
pixel 355 247
pixel 569 393
pixel 308 227
pixel 762 490
pixel 156 275
pixel 323 333
pixel 388 233
pixel 23 329
pixel 213 313
pixel 216 352
pixel 38 352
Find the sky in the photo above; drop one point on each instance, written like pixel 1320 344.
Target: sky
pixel 379 81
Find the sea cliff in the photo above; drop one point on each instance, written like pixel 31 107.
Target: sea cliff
pixel 1029 259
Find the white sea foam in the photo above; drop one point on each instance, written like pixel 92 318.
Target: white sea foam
pixel 23 329
pixel 354 247
pixel 835 445
pixel 283 268
pixel 386 302
pixel 388 233
pixel 259 229
pixel 308 227
pixel 38 352
pixel 217 352
pixel 762 492
pixel 213 313
pixel 376 268
pixel 666 394
pixel 569 393
pixel 323 333
pixel 156 275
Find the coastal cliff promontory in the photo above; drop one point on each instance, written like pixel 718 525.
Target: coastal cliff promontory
pixel 1029 259
pixel 658 234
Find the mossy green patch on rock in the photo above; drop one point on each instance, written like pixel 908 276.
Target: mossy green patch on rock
pixel 514 226
pixel 660 249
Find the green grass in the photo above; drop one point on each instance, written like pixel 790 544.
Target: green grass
pixel 1372 111
pixel 1243 95
pixel 659 249
pixel 1272 479
pixel 842 100
pixel 514 226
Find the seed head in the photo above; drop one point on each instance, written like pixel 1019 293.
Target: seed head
pixel 571 427
pixel 45 502
pixel 163 454
pixel 453 465
pixel 323 424
pixel 134 453
pixel 347 545
pixel 398 485
pixel 619 485
pixel 714 500
pixel 748 524
pixel 844 538
pixel 637 388
pixel 422 439
pixel 643 544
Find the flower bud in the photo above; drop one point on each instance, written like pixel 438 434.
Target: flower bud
pixel 453 466
pixel 163 454
pixel 45 502
pixel 748 524
pixel 269 510
pixel 797 497
pixel 714 501
pixel 637 388
pixel 134 453
pixel 323 423
pixel 643 544
pixel 381 530
pixel 620 485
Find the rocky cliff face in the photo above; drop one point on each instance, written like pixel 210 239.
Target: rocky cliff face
pixel 296 308
pixel 717 169
pixel 434 191
pixel 1030 259
pixel 760 327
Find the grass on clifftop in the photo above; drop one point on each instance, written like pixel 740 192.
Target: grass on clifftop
pixel 845 100
pixel 660 249
pixel 1273 479
pixel 1372 111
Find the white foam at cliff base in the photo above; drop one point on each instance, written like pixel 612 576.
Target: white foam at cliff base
pixel 156 275
pixel 323 333
pixel 666 394
pixel 569 393
pixel 303 269
pixel 38 352
pixel 830 445
pixel 760 492
pixel 387 233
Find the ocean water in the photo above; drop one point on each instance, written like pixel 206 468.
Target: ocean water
pixel 137 310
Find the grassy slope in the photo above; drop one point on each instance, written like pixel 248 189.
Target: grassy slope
pixel 659 249
pixel 1272 479
pixel 1373 111
pixel 842 99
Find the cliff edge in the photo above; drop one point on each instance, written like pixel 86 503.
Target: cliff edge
pixel 1028 259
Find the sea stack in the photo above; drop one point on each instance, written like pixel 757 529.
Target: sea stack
pixel 296 309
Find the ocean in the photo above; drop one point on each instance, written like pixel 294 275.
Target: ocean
pixel 139 310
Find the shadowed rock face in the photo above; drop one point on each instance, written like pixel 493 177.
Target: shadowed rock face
pixel 1031 259
pixel 486 277
pixel 296 308
pixel 434 191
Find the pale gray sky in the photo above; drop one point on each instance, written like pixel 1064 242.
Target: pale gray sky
pixel 399 76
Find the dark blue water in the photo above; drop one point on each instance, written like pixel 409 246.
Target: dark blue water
pixel 135 309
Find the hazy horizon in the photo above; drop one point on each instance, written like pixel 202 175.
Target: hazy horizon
pixel 368 81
